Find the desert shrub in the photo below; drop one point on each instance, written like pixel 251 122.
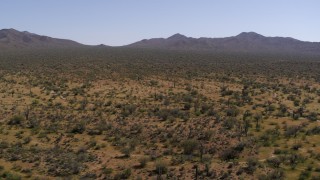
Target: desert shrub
pixel 166 102
pixel 32 123
pixel 282 110
pixel 15 120
pixel 265 139
pixel 224 91
pixel 108 103
pixel 194 92
pixel 106 171
pixel 188 98
pixel 92 143
pixel 77 91
pixel 189 146
pixel 187 106
pixel 305 174
pixel 165 114
pixel 313 116
pixel 293 159
pixel 239 147
pixel 161 167
pixel 118 105
pixel 306 100
pixel 143 161
pixel 128 109
pixel 229 154
pixel 252 164
pixel 296 146
pixel 26 140
pixel 204 108
pixel 10 176
pixel 211 112
pixel 89 175
pixel 274 162
pixel 159 97
pixel 271 108
pixel 291 131
pixel 78 128
pixel 93 132
pixel 280 151
pixel 153 83
pixel 15 152
pixel 178 160
pixel 60 162
pixel 314 130
pixel 229 123
pixel 207 134
pixel 232 111
pixel 125 174
pixel 126 151
pixel 295 116
pixel 274 174
pixel 232 152
pixel 296 102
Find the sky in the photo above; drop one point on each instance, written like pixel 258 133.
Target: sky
pixel 121 22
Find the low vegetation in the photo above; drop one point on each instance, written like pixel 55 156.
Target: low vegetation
pixel 114 113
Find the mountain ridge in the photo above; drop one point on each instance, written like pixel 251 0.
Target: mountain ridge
pixel 243 42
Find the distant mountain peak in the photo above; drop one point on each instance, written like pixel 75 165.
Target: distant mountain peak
pixel 249 35
pixel 177 36
pixel 9 30
pixel 27 32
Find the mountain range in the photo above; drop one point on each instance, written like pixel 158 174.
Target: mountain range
pixel 244 42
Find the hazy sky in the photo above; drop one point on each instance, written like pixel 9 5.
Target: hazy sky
pixel 119 22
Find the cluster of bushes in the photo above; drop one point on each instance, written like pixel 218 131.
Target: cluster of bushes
pixel 165 114
pixel 60 162
pixel 16 120
pixel 232 152
pixel 9 176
